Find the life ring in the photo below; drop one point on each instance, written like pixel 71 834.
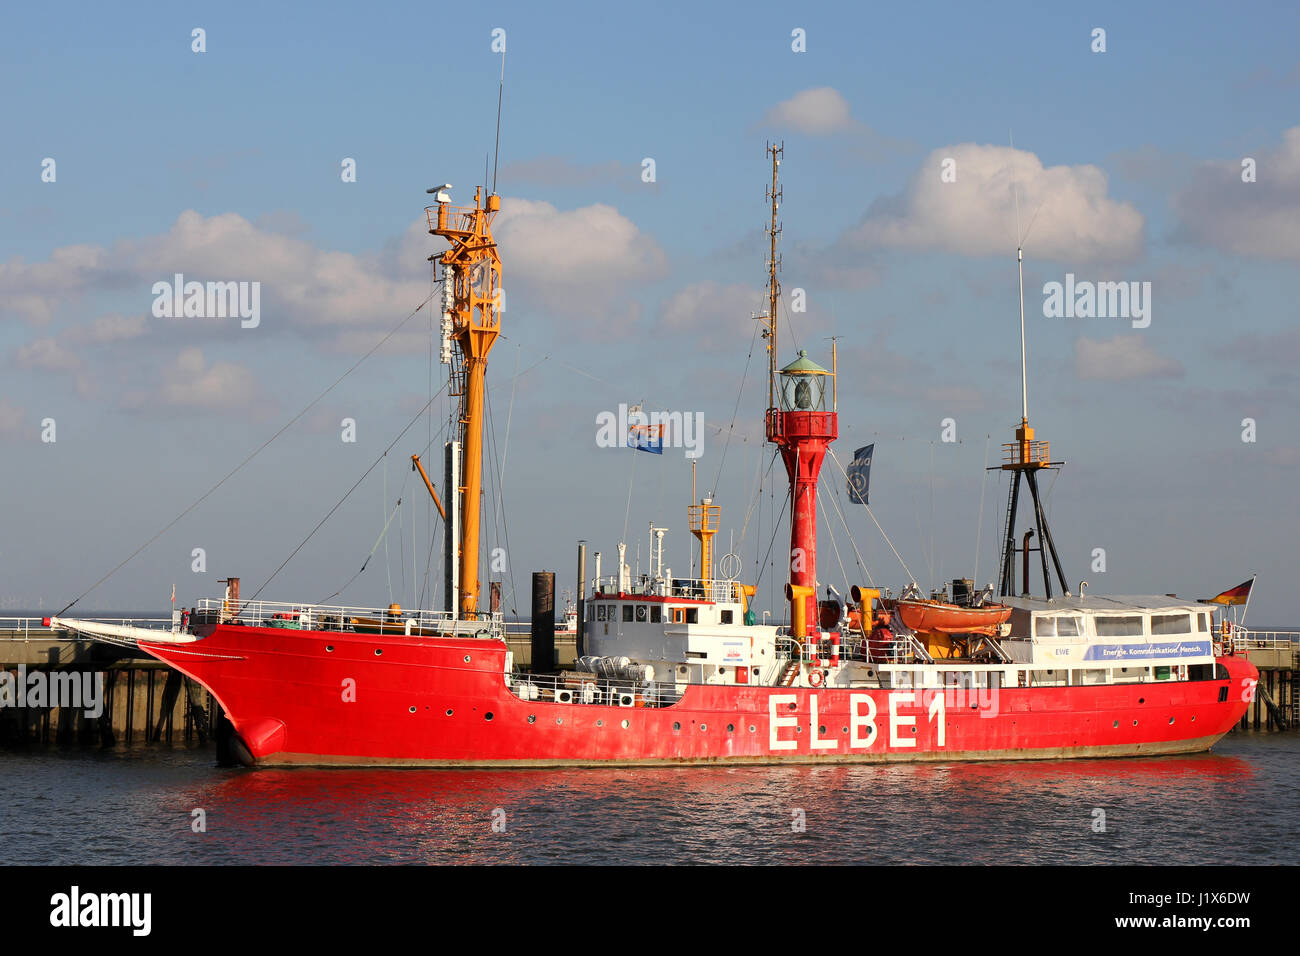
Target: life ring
pixel 815 679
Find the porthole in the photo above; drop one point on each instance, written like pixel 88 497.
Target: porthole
pixel 448 711
pixel 1115 724
pixel 329 648
pixel 1193 718
pixel 1171 720
pixel 532 718
pixel 1142 700
pixel 627 724
pixel 677 725
pixel 488 715
pixel 412 708
pixel 798 730
pixel 466 658
pixel 731 728
pixel 793 706
pixel 822 729
pixel 379 651
pixel 704 726
pixel 559 720
pixel 913 730
pixel 1135 723
pixel 600 723
pixel 844 730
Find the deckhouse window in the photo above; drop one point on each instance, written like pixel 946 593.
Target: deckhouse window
pixel 1203 622
pixel 1119 626
pixel 656 614
pixel 600 612
pixel 1056 627
pixel 726 617
pixel 692 615
pixel 1171 624
pixel 642 613
pixel 627 612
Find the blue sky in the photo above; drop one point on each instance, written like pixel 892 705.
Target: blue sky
pixel 225 165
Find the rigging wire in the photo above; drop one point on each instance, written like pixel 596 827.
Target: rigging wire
pixel 230 474
pixel 336 507
pixel 861 563
pixel 844 575
pixel 368 556
pixel 980 526
pixel 736 410
pixel 910 576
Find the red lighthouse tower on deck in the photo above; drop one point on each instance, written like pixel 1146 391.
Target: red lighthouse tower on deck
pixel 802 426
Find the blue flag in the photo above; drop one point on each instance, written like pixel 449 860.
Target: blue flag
pixel 646 438
pixel 860 474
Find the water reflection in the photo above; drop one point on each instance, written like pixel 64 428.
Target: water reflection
pixel 1158 810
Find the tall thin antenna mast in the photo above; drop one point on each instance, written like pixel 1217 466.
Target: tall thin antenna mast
pixel 774 195
pixel 1020 265
pixel 496 149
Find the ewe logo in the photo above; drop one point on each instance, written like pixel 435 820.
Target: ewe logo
pixel 213 300
pixel 1100 300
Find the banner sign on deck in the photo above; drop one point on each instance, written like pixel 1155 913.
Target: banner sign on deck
pixel 1129 652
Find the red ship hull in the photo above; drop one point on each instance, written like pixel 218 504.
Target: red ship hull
pixel 332 698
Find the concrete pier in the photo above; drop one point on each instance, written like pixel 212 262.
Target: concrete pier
pixel 141 699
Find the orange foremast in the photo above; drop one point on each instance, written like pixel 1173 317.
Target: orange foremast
pixel 472 306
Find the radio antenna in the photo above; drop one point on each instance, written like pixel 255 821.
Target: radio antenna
pixel 496 150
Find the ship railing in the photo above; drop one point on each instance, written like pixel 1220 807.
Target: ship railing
pixel 338 617
pixel 23 628
pixel 460 218
pixel 1037 452
pixel 1265 640
pixel 906 649
pixel 571 688
pixel 692 589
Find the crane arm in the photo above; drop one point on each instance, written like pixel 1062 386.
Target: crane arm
pixel 415 463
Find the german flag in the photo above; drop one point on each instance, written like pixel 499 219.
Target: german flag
pixel 1238 595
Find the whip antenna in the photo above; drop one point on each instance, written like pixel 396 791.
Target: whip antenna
pixel 496 149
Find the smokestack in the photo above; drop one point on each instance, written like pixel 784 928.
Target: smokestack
pixel 543 622
pixel 580 649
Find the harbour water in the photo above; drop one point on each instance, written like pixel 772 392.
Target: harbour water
pixel 137 806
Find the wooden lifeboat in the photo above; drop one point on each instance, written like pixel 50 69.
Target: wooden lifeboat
pixel 937 617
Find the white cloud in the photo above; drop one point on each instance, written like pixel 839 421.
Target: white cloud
pixel 578 261
pixel 1259 219
pixel 190 382
pixel 1065 209
pixel 820 111
pixel 712 316
pixel 12 419
pixel 106 330
pixel 1122 358
pixel 302 285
